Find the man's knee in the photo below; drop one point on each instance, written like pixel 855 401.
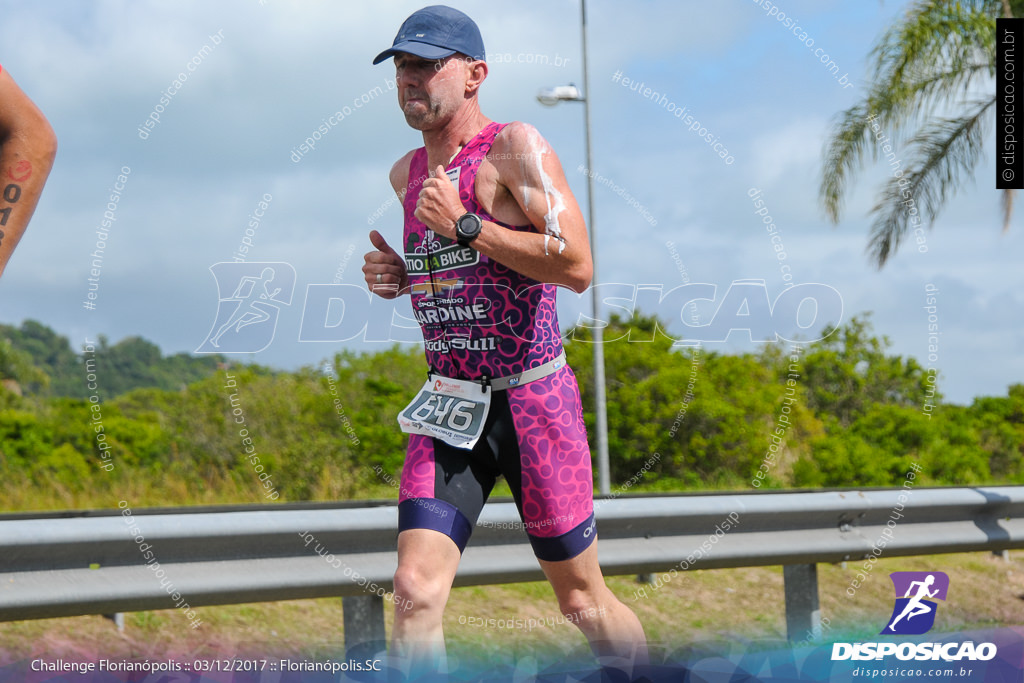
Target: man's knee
pixel 419 590
pixel 580 606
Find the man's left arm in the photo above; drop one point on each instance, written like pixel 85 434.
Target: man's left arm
pixel 27 150
pixel 559 253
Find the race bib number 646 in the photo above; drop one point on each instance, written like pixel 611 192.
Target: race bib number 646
pixel 449 409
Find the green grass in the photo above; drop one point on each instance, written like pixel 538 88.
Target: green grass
pixel 141 489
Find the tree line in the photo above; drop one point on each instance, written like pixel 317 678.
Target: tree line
pixel 839 412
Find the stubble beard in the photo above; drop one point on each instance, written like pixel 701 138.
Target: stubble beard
pixel 422 119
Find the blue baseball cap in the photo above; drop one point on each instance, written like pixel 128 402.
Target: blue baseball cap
pixel 436 32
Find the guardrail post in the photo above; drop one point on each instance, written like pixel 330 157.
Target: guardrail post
pixel 363 619
pixel 803 614
pixel 117 618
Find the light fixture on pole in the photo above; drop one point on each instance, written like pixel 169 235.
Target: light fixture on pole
pixel 551 97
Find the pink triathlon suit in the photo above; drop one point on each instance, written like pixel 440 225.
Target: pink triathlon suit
pixel 480 318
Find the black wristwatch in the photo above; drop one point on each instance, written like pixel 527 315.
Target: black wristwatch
pixel 467 228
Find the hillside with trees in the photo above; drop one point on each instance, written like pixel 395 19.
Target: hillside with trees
pixel 840 412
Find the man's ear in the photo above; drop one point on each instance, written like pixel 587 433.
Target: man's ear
pixel 477 74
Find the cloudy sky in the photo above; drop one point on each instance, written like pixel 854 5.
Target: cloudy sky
pixel 267 73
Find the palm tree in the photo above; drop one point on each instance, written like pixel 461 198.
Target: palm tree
pixel 939 58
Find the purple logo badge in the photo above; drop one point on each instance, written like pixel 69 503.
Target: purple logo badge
pixel 916 592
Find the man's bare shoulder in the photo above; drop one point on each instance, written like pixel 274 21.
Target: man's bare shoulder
pixel 518 141
pixel 399 174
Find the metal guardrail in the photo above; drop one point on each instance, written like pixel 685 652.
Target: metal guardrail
pixel 65 566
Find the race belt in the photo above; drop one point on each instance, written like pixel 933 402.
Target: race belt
pixel 527 376
pixel 455 410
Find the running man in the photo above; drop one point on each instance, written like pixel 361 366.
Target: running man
pixel 915 606
pixel 491 228
pixel 27 149
pixel 250 304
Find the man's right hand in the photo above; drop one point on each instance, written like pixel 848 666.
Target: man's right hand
pixel 384 270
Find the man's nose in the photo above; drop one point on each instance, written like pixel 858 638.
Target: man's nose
pixel 407 77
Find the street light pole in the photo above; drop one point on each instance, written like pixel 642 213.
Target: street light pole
pixel 551 97
pixel 600 400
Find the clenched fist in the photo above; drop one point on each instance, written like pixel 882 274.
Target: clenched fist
pixel 439 206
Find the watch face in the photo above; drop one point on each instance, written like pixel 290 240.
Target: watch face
pixel 468 226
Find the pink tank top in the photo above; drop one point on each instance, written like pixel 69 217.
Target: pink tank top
pixel 478 317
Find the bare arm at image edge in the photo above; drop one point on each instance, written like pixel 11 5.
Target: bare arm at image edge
pixel 27 149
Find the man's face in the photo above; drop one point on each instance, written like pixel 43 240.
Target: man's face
pixel 430 91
